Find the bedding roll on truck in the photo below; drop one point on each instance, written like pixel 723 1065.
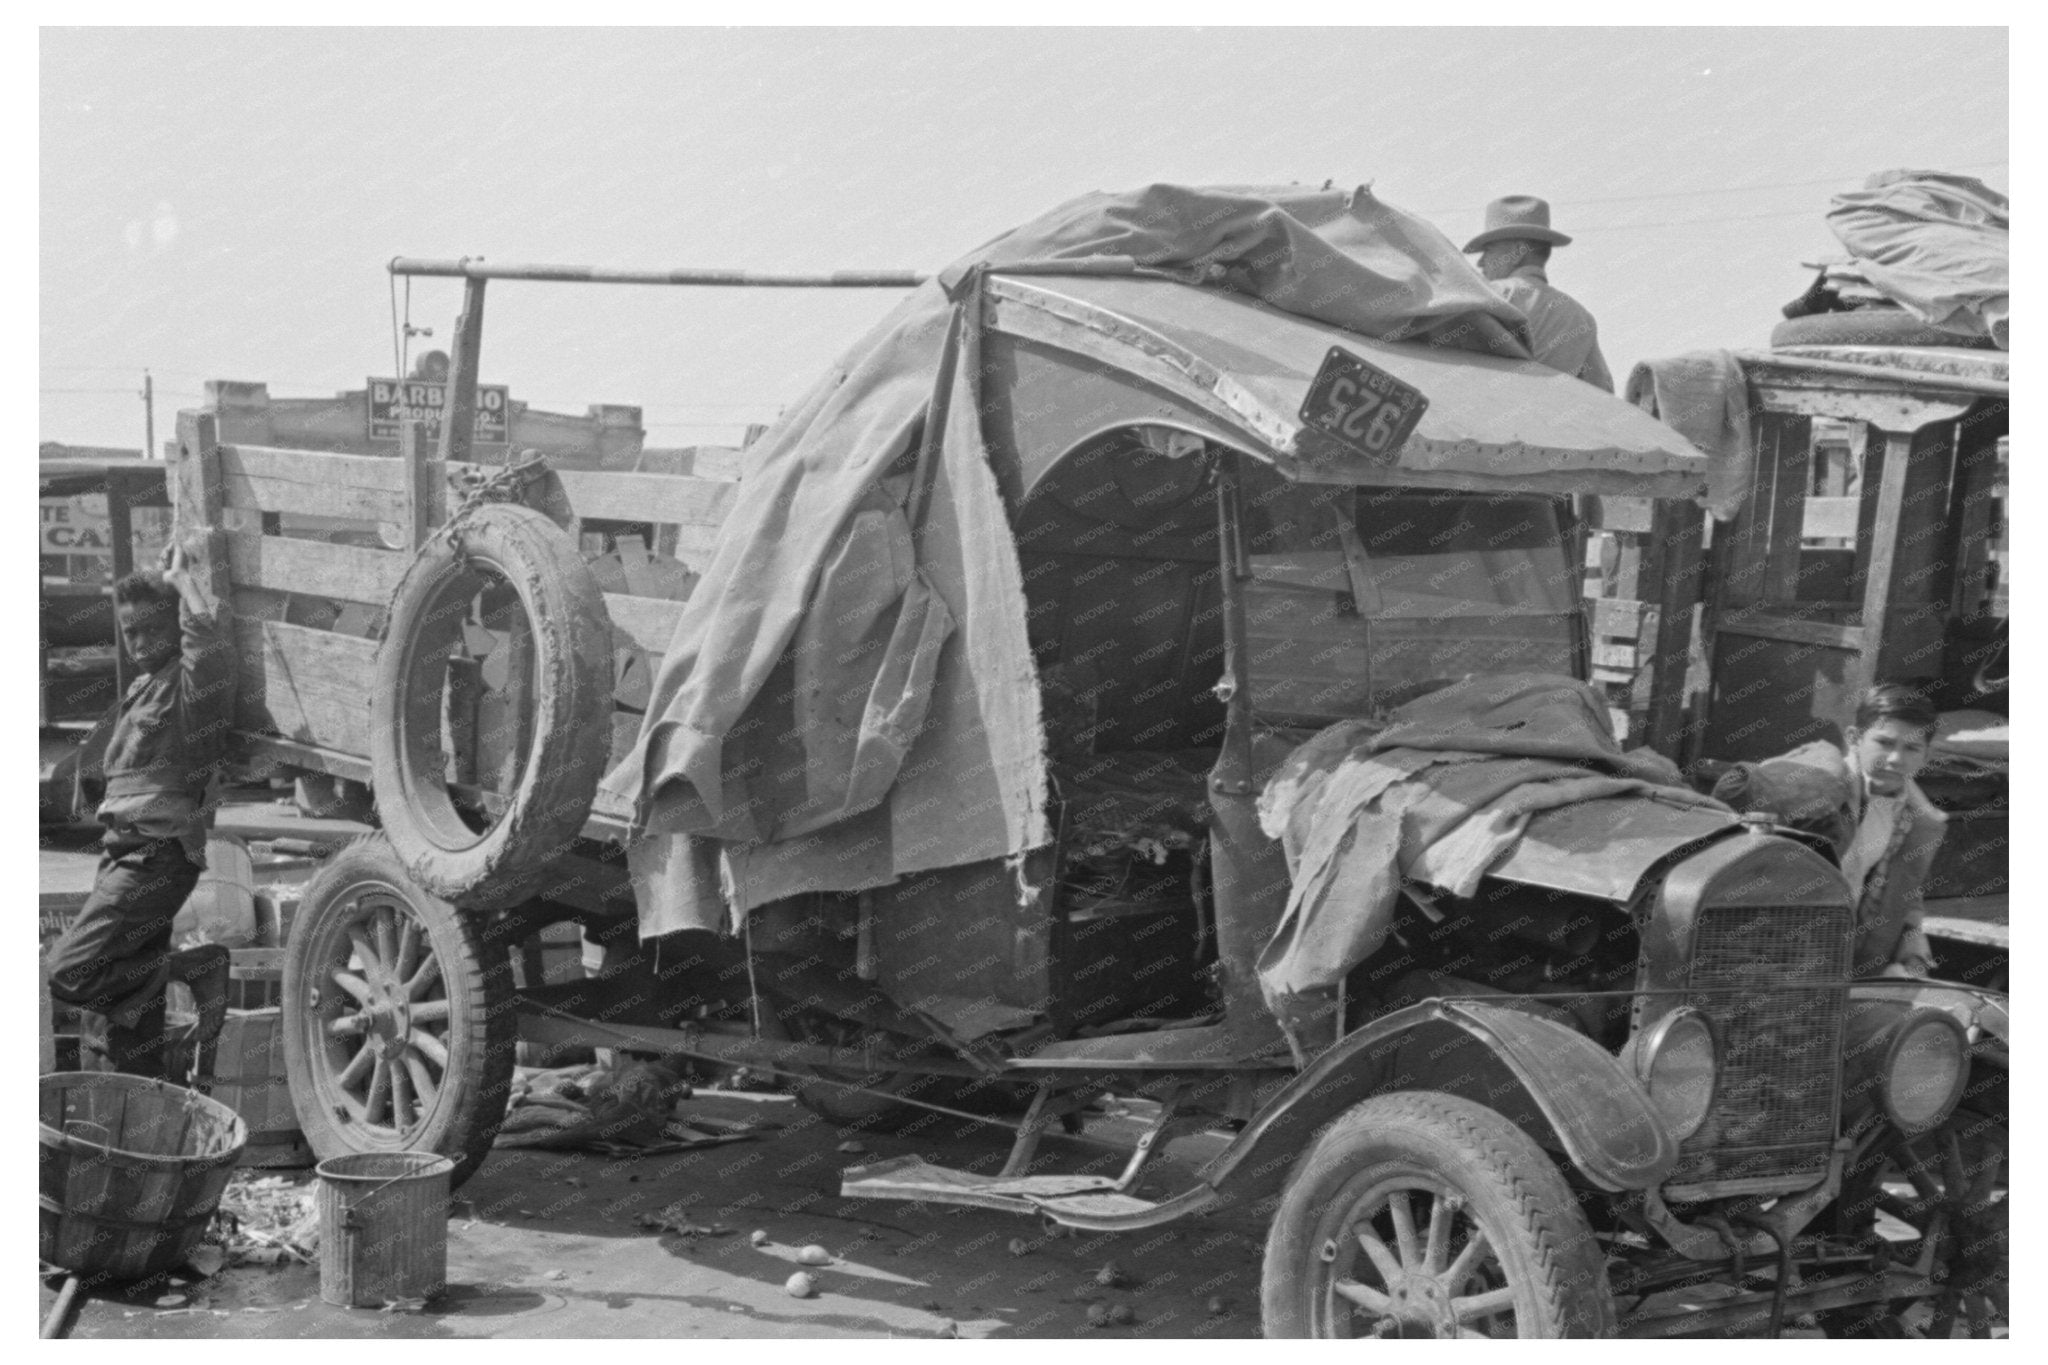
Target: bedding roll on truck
pixel 1149 662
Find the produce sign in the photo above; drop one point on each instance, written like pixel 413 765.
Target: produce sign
pixel 1362 406
pixel 394 402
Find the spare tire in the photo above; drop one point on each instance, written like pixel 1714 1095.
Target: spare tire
pixel 498 563
pixel 1869 327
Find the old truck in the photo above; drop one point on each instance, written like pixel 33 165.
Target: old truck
pixel 1620 1082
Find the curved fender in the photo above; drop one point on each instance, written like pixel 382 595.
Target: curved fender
pixel 1593 1109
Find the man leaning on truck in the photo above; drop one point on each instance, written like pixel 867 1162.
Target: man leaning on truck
pixel 167 737
pixel 1513 251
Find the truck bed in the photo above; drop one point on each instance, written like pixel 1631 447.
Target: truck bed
pixel 306 609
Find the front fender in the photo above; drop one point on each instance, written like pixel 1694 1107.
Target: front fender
pixel 1567 1091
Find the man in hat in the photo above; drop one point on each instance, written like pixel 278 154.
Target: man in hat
pixel 1513 251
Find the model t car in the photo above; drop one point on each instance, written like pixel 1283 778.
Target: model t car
pixel 1149 702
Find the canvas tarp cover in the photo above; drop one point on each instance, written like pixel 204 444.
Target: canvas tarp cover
pixel 1937 245
pixel 832 655
pixel 1439 796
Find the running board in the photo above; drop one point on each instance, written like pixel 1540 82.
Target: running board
pixel 1091 1202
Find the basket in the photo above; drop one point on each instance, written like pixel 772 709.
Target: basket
pixel 130 1171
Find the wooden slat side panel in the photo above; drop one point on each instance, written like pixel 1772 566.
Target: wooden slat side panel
pixel 265 494
pixel 313 686
pixel 677 498
pixel 647 621
pixel 316 568
pixel 377 473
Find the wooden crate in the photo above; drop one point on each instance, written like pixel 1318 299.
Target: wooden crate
pixel 245 1071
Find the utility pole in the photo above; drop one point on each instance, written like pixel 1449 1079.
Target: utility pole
pixel 148 417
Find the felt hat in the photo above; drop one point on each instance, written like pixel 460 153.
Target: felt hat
pixel 1517 217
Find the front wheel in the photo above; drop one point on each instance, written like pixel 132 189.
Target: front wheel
pixel 399 1027
pixel 1424 1215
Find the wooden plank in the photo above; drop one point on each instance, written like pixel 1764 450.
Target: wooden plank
pixel 315 568
pixel 648 622
pixel 262 754
pixel 1618 657
pixel 353 487
pixel 606 495
pixel 1891 410
pixel 308 685
pixel 1884 549
pixel 1667 631
pixel 718 462
pixel 1763 626
pixel 377 473
pixel 199 503
pixel 1830 519
pixel 1621 514
pixel 1619 616
pixel 426 494
pixel 1780 581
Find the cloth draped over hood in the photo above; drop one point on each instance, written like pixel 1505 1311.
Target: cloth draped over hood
pixel 1704 397
pixel 1439 795
pixel 849 695
pixel 1937 245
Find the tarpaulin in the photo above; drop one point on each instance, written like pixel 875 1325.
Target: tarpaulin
pixel 798 693
pixel 1704 397
pixel 1439 795
pixel 1938 245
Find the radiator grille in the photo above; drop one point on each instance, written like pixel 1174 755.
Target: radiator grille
pixel 1774 979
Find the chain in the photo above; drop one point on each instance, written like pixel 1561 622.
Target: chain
pixel 477 485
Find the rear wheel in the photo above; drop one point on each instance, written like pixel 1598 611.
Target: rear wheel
pixel 1425 1215
pixel 399 1026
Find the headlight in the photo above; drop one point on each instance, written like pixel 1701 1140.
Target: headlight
pixel 1911 1061
pixel 1676 1061
pixel 1925 1068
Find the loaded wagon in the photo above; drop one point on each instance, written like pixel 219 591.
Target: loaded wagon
pixel 1113 720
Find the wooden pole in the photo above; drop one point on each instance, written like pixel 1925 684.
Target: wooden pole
pixel 55 1325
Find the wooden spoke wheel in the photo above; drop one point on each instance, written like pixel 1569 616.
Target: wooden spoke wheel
pixel 399 1032
pixel 1423 1215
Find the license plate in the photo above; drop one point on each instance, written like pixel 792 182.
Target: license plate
pixel 1362 406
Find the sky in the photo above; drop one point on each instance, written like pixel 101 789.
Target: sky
pixel 221 204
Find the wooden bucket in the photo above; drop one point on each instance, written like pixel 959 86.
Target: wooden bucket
pixel 131 1171
pixel 383 1227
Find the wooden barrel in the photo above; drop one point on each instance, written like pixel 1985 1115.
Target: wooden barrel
pixel 383 1227
pixel 130 1171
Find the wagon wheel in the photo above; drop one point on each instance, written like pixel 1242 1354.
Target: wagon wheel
pixel 400 1033
pixel 1424 1215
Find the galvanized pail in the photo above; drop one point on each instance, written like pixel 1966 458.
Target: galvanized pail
pixel 383 1227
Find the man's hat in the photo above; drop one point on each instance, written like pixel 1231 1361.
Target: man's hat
pixel 1518 217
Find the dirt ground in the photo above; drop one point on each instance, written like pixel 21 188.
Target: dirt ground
pixel 546 1244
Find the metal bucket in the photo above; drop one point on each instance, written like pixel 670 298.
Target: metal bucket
pixel 383 1227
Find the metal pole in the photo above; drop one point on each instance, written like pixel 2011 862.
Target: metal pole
pixel 471 268
pixel 149 451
